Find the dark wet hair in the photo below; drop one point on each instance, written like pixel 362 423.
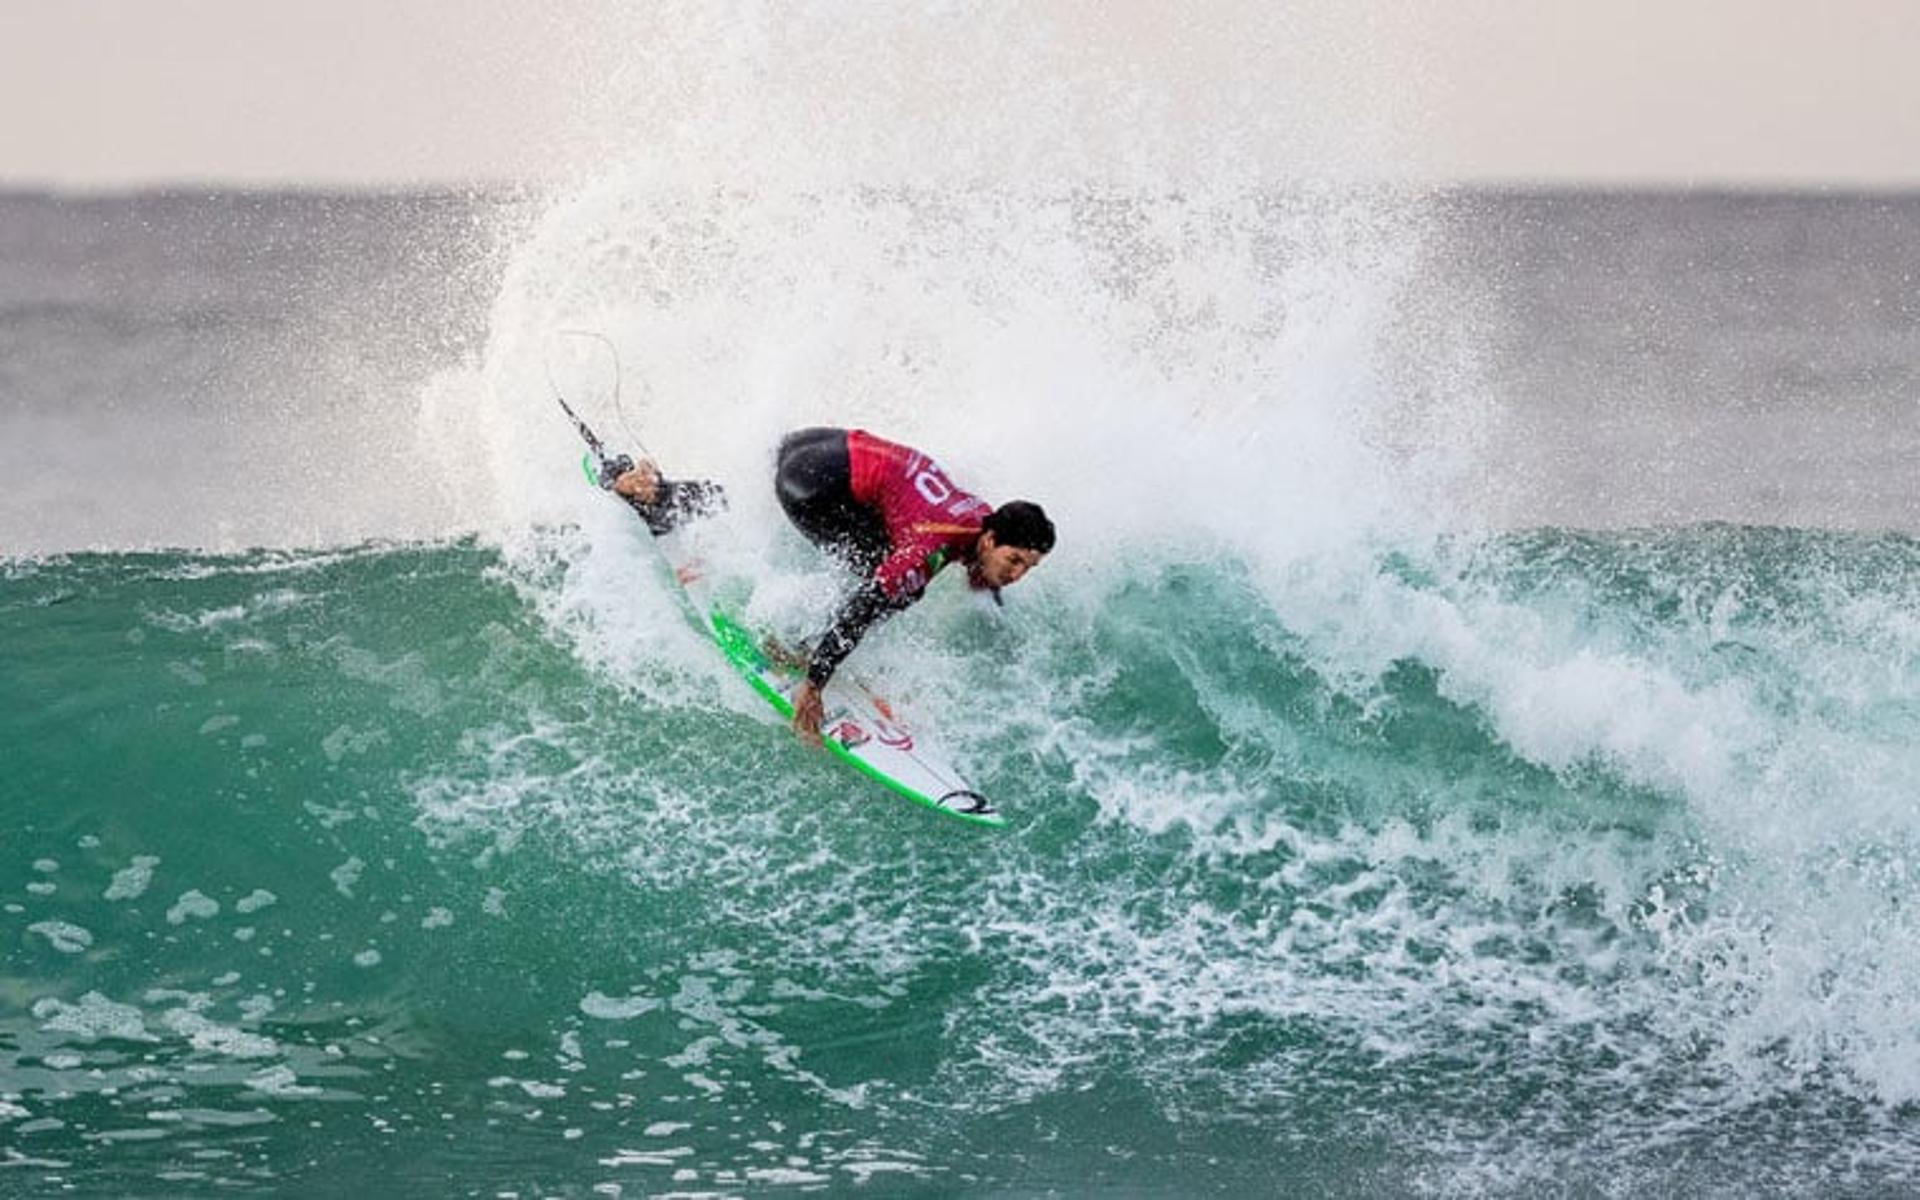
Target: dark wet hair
pixel 1021 524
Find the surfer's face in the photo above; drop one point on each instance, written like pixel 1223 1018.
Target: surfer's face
pixel 1003 566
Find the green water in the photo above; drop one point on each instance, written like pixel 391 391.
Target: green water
pixel 1557 864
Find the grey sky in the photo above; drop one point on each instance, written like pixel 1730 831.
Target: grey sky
pixel 119 92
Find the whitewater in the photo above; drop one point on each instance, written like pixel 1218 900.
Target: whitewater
pixel 1464 743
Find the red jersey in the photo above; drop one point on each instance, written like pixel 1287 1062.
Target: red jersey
pixel 929 521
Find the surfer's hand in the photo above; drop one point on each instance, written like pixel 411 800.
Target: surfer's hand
pixel 808 711
pixel 642 483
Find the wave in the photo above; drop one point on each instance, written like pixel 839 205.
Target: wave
pixel 409 823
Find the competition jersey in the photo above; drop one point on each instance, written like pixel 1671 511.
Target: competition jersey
pixel 929 521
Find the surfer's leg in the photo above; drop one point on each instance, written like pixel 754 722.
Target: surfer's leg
pixel 676 502
pixel 682 500
pixel 813 478
pixel 812 473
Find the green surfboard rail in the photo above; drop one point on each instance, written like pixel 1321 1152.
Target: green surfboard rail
pixel 743 651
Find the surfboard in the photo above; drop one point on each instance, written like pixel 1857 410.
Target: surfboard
pixel 862 728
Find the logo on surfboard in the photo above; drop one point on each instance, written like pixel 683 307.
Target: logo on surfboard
pixel 849 734
pixel 891 734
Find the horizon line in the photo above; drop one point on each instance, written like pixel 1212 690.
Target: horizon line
pixel 508 188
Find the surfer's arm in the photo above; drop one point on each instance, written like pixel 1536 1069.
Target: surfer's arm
pixel 866 607
pixel 898 582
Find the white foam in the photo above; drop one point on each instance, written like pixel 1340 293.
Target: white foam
pixel 211 1037
pixel 94 1017
pixel 192 905
pixel 132 881
pixel 254 901
pixel 346 876
pixel 281 1081
pixel 785 1176
pixel 65 936
pixel 608 1008
pixel 344 740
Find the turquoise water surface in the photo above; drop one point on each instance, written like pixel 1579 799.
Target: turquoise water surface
pixel 347 870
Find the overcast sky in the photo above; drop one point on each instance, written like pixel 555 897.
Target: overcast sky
pixel 396 92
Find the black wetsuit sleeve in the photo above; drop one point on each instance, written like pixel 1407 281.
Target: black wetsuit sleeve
pixel 679 501
pixel 867 607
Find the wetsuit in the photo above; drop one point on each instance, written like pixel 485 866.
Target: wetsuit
pixel 677 501
pixel 888 510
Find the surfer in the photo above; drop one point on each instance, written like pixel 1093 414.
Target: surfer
pixel 891 514
pixel 888 512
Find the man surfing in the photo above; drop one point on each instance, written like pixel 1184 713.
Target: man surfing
pixel 888 512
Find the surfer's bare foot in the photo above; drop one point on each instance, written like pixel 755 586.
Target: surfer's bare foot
pixel 642 483
pixel 808 712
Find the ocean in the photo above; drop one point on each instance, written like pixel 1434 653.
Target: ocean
pixel 1467 741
